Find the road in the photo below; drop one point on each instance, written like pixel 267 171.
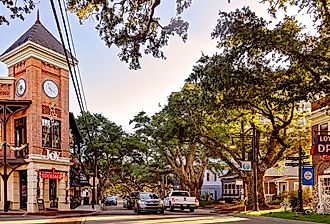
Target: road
pixel 119 215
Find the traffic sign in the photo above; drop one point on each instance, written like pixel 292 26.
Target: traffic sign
pixel 292 164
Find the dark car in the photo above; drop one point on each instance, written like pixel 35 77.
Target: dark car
pixel 130 200
pixel 110 200
pixel 149 202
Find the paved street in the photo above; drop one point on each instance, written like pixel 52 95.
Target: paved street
pixel 119 215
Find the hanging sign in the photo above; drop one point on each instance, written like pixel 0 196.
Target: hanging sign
pixel 308 176
pixel 51 174
pixel 246 165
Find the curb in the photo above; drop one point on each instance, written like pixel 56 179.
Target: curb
pixel 286 221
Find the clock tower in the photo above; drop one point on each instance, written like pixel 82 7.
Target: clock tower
pixel 37 63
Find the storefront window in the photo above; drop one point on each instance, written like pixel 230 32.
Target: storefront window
pixel 51 133
pixel 326 185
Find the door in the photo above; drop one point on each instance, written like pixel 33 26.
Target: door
pixel 53 193
pixel 23 188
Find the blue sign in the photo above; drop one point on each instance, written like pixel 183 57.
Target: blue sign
pixel 308 176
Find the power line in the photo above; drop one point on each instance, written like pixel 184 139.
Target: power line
pixel 74 76
pixel 75 55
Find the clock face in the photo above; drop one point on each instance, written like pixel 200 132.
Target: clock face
pixel 50 88
pixel 20 87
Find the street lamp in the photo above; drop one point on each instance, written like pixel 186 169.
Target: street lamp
pixel 254 155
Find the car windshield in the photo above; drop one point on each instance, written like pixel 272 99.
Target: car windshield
pixel 148 196
pixel 110 198
pixel 134 194
pixel 180 193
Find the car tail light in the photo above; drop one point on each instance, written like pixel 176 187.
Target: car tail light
pixel 173 199
pixel 196 200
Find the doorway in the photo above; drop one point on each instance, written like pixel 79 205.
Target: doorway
pixel 23 188
pixel 53 193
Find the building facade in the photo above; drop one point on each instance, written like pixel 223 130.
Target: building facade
pixel 212 186
pixel 320 151
pixel 36 136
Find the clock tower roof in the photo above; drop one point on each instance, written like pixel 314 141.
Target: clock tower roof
pixel 38 34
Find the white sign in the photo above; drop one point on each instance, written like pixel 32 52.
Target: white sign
pixel 53 155
pixel 308 175
pixel 238 182
pixel 246 166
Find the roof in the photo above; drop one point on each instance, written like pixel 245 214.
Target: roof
pixel 282 171
pixel 280 179
pixel 40 35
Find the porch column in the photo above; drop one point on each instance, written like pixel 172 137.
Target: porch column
pixel 63 205
pixel 32 190
pixel 15 194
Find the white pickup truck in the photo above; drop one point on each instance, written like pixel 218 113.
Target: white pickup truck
pixel 182 200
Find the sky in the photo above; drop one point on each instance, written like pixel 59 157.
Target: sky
pixel 111 88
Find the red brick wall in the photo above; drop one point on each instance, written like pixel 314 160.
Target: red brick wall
pixel 35 72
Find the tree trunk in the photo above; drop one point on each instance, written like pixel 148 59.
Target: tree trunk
pixel 261 191
pixel 195 189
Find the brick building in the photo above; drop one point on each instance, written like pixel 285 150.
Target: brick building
pixel 34 115
pixel 321 154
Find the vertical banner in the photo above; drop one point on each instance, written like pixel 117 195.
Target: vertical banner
pixel 308 176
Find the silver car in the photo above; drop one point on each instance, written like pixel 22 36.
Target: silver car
pixel 148 202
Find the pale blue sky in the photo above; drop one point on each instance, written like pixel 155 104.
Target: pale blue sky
pixel 111 88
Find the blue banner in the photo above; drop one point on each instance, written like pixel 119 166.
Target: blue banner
pixel 308 176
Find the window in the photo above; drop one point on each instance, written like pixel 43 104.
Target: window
pixel 20 131
pixel 51 133
pixel 324 129
pixel 208 177
pixel 326 185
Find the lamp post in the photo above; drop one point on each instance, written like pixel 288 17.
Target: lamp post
pixel 242 136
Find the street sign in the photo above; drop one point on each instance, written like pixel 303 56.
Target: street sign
pixel 292 164
pixel 297 158
pixel 308 176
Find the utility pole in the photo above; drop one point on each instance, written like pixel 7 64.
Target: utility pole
pixel 255 167
pixel 300 199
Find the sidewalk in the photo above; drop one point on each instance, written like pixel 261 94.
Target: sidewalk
pixel 84 210
pixel 271 220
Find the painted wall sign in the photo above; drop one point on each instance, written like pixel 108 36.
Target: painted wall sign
pixel 308 176
pixel 52 174
pixel 323 145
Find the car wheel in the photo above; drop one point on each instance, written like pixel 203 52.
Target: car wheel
pixel 161 211
pixel 192 210
pixel 171 208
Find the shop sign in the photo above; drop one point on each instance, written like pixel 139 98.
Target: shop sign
pixel 51 174
pixel 308 176
pixel 53 155
pixel 323 144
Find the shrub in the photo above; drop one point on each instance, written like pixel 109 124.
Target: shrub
pixel 275 202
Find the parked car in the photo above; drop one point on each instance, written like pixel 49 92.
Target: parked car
pixel 149 202
pixel 182 200
pixel 125 202
pixel 110 200
pixel 131 199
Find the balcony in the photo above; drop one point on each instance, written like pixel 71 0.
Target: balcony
pixel 15 154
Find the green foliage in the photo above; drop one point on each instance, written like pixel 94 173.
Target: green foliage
pixel 17 9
